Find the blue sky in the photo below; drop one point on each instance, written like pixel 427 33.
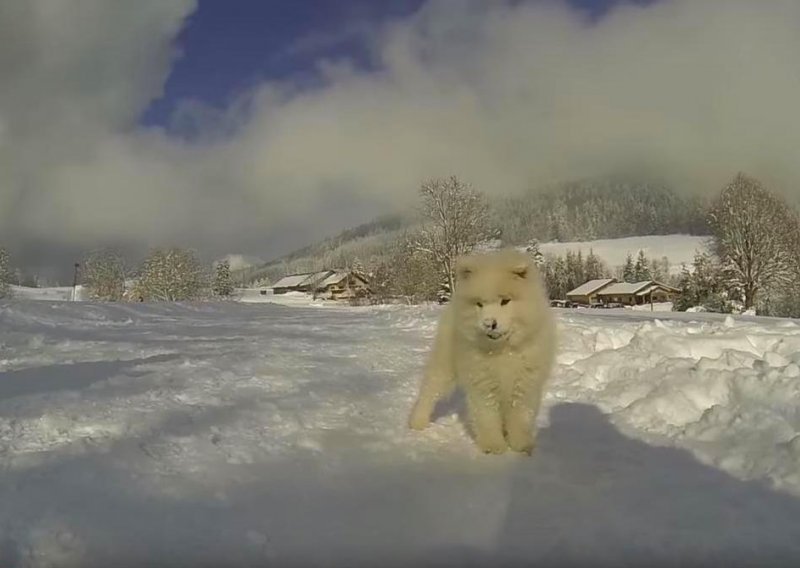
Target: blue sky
pixel 229 46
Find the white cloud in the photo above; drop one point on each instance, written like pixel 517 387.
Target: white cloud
pixel 506 96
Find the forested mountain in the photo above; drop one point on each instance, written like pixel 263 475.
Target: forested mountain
pixel 589 210
pixel 574 211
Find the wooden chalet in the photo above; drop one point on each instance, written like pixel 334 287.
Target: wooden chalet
pixel 343 285
pixel 637 293
pixel 303 282
pixel 587 292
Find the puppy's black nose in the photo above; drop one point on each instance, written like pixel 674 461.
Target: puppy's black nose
pixel 490 324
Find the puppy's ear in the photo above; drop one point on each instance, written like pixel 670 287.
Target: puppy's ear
pixel 521 270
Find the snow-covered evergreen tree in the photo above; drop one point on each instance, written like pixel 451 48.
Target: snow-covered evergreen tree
pixel 557 277
pixel 104 275
pixel 594 268
pixel 629 269
pixel 223 284
pixel 5 274
pixel 703 286
pixel 641 270
pixel 171 275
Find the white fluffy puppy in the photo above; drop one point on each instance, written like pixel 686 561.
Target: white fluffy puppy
pixel 497 341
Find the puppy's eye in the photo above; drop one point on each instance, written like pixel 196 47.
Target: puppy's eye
pixel 479 304
pixel 504 301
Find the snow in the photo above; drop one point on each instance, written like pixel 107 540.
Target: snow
pixel 245 434
pixel 677 248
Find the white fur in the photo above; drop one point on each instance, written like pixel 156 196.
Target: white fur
pixel 500 353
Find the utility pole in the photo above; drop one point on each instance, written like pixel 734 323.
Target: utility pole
pixel 75 283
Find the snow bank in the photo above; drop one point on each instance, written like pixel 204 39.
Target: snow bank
pixel 241 434
pixel 727 390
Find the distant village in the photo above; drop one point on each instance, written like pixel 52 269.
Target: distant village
pixel 352 286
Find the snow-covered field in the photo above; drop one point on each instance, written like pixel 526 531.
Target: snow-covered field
pixel 677 248
pixel 235 434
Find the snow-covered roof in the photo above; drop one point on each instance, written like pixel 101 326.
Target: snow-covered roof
pixel 624 288
pixel 315 277
pixel 291 281
pixel 655 286
pixel 590 287
pixel 334 278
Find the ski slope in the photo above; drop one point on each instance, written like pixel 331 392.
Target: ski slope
pixel 233 434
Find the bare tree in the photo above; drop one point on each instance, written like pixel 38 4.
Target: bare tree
pixel 455 218
pixel 104 275
pixel 750 226
pixel 405 273
pixel 170 275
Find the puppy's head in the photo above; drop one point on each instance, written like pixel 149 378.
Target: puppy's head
pixel 493 294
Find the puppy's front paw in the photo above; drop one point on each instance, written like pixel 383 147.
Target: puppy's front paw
pixel 522 441
pixel 492 445
pixel 419 420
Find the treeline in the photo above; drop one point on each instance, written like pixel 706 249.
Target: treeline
pixel 607 209
pixel 166 274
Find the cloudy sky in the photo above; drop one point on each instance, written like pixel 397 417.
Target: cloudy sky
pixel 257 126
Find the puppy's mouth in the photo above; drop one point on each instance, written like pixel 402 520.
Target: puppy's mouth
pixel 496 335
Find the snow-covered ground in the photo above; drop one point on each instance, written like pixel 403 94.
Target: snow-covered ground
pixel 677 248
pixel 245 434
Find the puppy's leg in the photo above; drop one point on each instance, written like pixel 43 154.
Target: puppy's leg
pixel 520 417
pixel 435 386
pixel 487 422
pixel 519 427
pixel 439 378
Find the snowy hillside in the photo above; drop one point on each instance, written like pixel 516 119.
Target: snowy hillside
pixel 677 248
pixel 238 434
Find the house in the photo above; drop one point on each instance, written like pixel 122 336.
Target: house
pixel 587 293
pixel 313 280
pixel 342 285
pixel 304 282
pixel 637 293
pixel 289 283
